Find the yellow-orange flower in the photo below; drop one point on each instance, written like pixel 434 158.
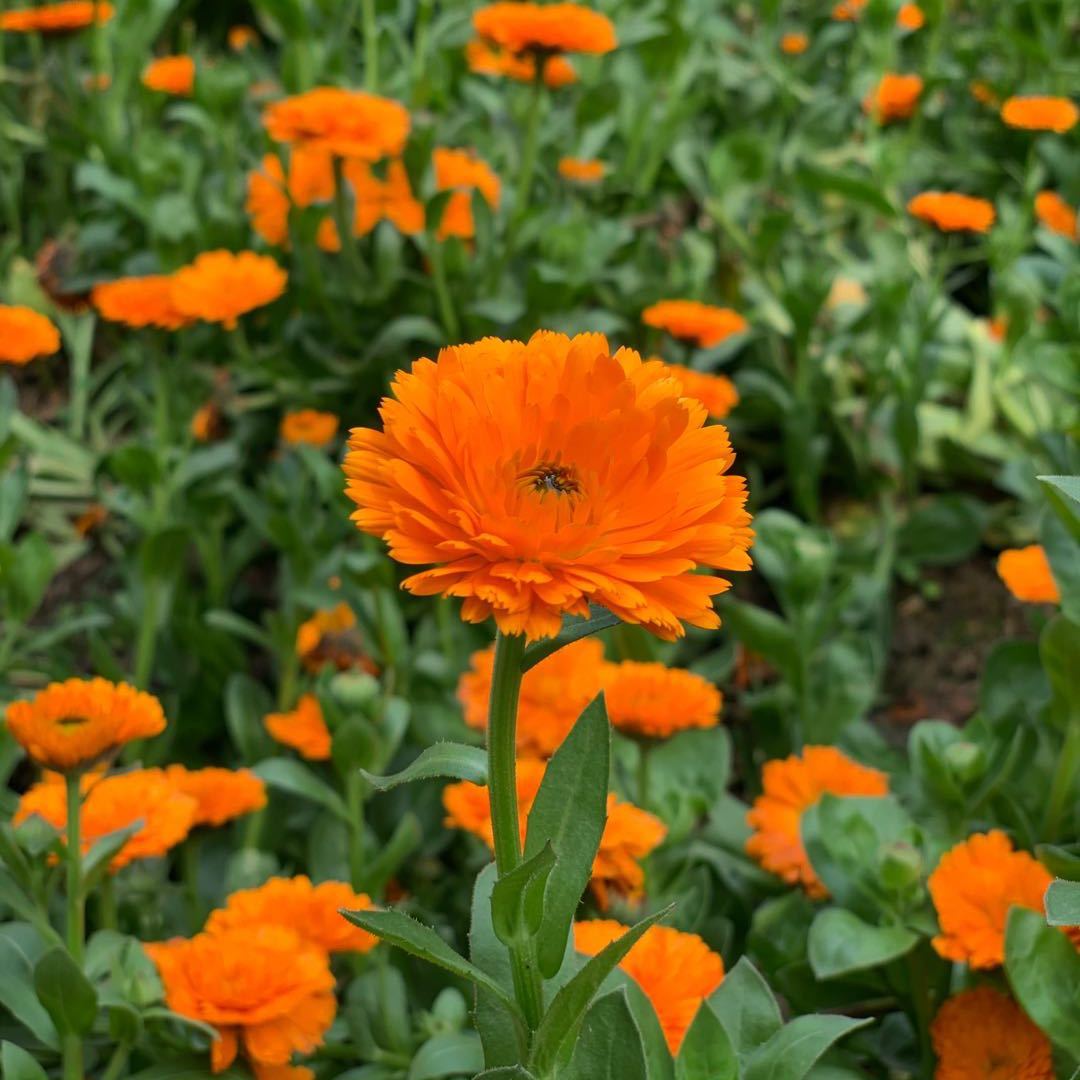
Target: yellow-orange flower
pixel 790 787
pixel 582 170
pixel 462 172
pixel 240 37
pixel 973 887
pixel 166 814
pixel 331 637
pixel 56 18
pixel 309 427
pixel 677 971
pixel 951 212
pixel 654 701
pixel 1056 214
pixel 910 17
pixel 264 985
pixel 310 180
pixel 794 43
pixel 139 301
pixel 220 794
pixel 1035 113
pixel 716 392
pixel 170 75
pixel 74 723
pixel 894 97
pixel 390 199
pixel 220 286
pixel 346 123
pixel 979 1034
pixel 1027 575
pixel 207 423
pixel 483 59
pixel 703 323
pixel 496 465
pixel 547 28
pixel 553 694
pixel 304 729
pixel 25 334
pixel 311 911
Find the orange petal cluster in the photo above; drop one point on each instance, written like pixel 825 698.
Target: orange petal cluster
pixel 170 75
pixel 241 36
pixel 704 324
pixel 345 123
pixel 716 392
pixel 1034 113
pixel 308 427
pixel 139 302
pixel 549 28
pixel 848 10
pixel 794 43
pixel 270 194
pixel 1056 214
pixel 952 212
pixel 25 335
pixel 220 286
pixel 1027 575
pixel 330 637
pixel 894 98
pixel 388 199
pixel 304 729
pixel 56 18
pixel 483 59
pixel 582 170
pixel 910 17
pixel 220 794
pixel 207 423
pixel 653 701
pixel 462 172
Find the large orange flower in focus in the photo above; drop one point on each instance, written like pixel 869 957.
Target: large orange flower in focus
pixel 653 701
pixel 262 985
pixel 462 172
pixel 951 212
pixel 1040 113
pixel 790 787
pixel 1027 575
pixel 221 794
pixel 677 971
pixel 894 98
pixel 547 28
pixel 1056 214
pixel 25 335
pixel 220 286
pixel 485 60
pixel 304 729
pixel 539 477
pixel 704 324
pixel 56 18
pixel 973 888
pixel 346 123
pixel 139 302
pixel 170 75
pixel 981 1033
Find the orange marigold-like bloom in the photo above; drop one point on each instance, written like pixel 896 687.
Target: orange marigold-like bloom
pixel 982 1033
pixel 495 464
pixel 139 301
pixel 677 971
pixel 220 794
pixel 56 18
pixel 170 75
pixel 269 197
pixel 973 887
pixel 220 286
pixel 114 803
pixel 91 519
pixel 501 63
pixel 74 723
pixel 983 93
pixel 240 37
pixel 548 28
pixel 264 985
pixel 1027 575
pixel 1056 214
pixel 951 212
pixel 207 423
pixel 716 392
pixel 331 637
pixel 910 17
pixel 703 323
pixel 304 729
pixel 462 172
pixel 790 787
pixel 25 334
pixel 848 10
pixel 553 694
pixel 582 170
pixel 1035 113
pixel 654 701
pixel 795 43
pixel 309 427
pixel 894 97
pixel 346 123
pixel 390 199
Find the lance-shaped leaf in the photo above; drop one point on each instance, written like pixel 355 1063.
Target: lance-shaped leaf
pixel 573 630
pixel 454 761
pixel 517 900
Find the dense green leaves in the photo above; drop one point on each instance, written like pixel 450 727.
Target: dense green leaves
pixel 841 943
pixel 298 779
pixel 746 1009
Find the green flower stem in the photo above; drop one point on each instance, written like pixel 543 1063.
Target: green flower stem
pixel 354 798
pixel 371 48
pixel 1065 772
pixel 76 913
pixel 107 904
pixel 442 293
pixel 923 1007
pixel 146 642
pixel 643 774
pixel 532 144
pixel 343 221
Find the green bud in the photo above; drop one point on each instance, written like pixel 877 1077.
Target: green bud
pixel 966 761
pixel 354 689
pixel 901 866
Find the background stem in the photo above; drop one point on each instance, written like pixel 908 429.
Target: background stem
pixel 76 914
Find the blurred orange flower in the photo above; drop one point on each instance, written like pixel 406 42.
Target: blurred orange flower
pixel 220 794
pixel 894 97
pixel 1056 214
pixel 311 180
pixel 220 286
pixel 462 172
pixel 951 212
pixel 983 93
pixel 207 424
pixel 138 302
pixel 795 43
pixel 330 637
pixel 790 787
pixel 998 328
pixel 716 392
pixel 547 28
pixel 483 59
pixel 910 17
pixel 1040 113
pixel 56 18
pixel 25 335
pixel 390 199
pixel 467 806
pixel 703 323
pixel 304 729
pixel 1027 575
pixel 654 701
pixel 240 37
pixel 91 519
pixel 346 123
pixel 848 10
pixel 309 427
pixel 582 170
pixel 170 75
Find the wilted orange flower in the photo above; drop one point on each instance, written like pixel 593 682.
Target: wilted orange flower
pixel 309 427
pixel 170 75
pixel 1056 214
pixel 483 59
pixel 973 887
pixel 546 28
pixel 582 170
pixel 25 334
pixel 220 286
pixel 207 423
pixel 311 180
pixel 983 93
pixel 848 10
pixel 139 301
pixel 346 123
pixel 1040 113
pixel 654 701
pixel 795 43
pixel 309 910
pixel 114 803
pixel 520 502
pixel 264 985
pixel 331 637
pixel 790 787
pixel 391 199
pixel 703 323
pixel 91 519
pixel 75 723
pixel 951 212
pixel 240 37
pixel 716 392
pixel 462 171
pixel 677 971
pixel 981 1033
pixel 220 794
pixel 1027 575
pixel 894 97
pixel 910 17
pixel 304 729
pixel 56 18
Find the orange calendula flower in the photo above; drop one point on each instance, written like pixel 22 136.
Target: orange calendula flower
pixel 973 888
pixel 139 302
pixel 982 1033
pixel 790 787
pixel 309 427
pixel 91 519
pixel 794 43
pixel 702 323
pixel 1035 113
pixel 848 10
pixel 1027 575
pixel 952 212
pixel 240 37
pixel 716 392
pixel 545 28
pixel 345 123
pixel 998 328
pixel 166 814
pixel 1056 214
pixel 25 335
pixel 653 701
pixel 894 97
pixel 265 986
pixel 677 971
pixel 553 694
pixel 56 18
pixel 220 794
pixel 910 17
pixel 170 75
pixel 220 286
pixel 483 59
pixel 304 729
pixel 269 197
pixel 582 170
pixel 462 172
pixel 390 199
pixel 207 424
pixel 311 911
pixel 331 637
pixel 520 503
pixel 75 723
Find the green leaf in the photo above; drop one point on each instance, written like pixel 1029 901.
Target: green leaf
pixel 574 629
pixel 517 900
pixel 706 1052
pixel 506 1072
pixel 456 761
pixel 247 702
pixel 1067 485
pixel 569 813
pixel 851 187
pixel 764 633
pixel 1063 553
pixel 1059 649
pixel 1061 494
pixel 65 992
pixel 746 1008
pixel 791 1053
pixel 447 1054
pixel 17 1064
pixel 284 774
pixel 1063 903
pixel 609 1046
pixel 96 860
pixel 840 943
pixel 942 530
pixel 17 992
pixel 404 840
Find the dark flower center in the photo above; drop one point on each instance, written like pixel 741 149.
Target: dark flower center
pixel 66 722
pixel 557 479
